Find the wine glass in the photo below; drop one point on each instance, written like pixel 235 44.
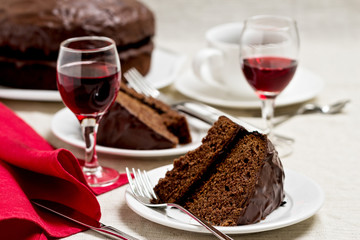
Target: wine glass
pixel 269 48
pixel 88 79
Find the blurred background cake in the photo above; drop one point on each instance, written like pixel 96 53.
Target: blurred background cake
pixel 32 30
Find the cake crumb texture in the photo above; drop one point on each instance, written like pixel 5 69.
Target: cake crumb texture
pixel 189 169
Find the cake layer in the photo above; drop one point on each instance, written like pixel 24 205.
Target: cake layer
pixel 174 121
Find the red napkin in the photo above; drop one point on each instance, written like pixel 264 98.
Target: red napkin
pixel 31 169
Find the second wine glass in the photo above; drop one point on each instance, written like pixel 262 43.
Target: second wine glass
pixel 269 48
pixel 88 79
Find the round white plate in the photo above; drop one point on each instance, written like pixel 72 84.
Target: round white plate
pixel 66 127
pixel 305 85
pixel 165 66
pixel 302 195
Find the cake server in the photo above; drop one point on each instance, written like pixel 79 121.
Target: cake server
pixel 209 115
pixel 81 219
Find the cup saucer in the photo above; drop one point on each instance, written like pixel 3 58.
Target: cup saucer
pixel 304 86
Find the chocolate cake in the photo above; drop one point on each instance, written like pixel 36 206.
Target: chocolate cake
pixel 31 32
pixel 234 178
pixel 139 122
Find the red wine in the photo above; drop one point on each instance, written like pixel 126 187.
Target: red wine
pixel 88 87
pixel 269 75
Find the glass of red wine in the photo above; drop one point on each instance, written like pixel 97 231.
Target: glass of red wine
pixel 88 79
pixel 269 49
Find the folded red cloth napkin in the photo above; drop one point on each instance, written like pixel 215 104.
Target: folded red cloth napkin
pixel 31 169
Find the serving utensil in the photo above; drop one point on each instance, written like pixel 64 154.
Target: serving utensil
pixel 143 192
pixel 81 219
pixel 195 109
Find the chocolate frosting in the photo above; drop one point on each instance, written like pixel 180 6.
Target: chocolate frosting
pixel 27 25
pixel 269 191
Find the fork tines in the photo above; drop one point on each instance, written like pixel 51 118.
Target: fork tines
pixel 140 84
pixel 140 185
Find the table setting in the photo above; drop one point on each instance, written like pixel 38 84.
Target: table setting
pixel 221 61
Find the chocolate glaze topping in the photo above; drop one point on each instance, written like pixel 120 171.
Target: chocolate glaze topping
pixel 269 191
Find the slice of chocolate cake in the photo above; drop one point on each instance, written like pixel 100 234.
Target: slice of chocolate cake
pixel 139 122
pixel 235 177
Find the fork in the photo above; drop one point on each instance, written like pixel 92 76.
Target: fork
pixel 200 111
pixel 143 192
pixel 140 84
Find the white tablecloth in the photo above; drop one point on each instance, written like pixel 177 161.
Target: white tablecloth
pixel 326 147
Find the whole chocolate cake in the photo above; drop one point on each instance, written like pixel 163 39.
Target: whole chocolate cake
pixel 234 178
pixel 31 32
pixel 139 122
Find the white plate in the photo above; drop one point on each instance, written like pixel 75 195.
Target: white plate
pixel 302 195
pixel 29 94
pixel 165 66
pixel 66 127
pixel 304 86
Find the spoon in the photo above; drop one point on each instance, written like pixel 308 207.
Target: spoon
pixel 324 109
pixel 315 108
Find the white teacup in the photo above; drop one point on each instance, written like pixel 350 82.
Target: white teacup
pixel 219 63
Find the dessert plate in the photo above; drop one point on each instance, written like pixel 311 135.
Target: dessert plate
pixel 66 127
pixel 302 195
pixel 165 66
pixel 305 85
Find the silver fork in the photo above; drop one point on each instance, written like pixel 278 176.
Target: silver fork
pixel 140 84
pixel 143 192
pixel 198 110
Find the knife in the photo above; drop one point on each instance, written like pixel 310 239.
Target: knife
pixel 81 219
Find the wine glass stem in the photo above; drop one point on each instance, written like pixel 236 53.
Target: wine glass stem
pixel 89 128
pixel 267 112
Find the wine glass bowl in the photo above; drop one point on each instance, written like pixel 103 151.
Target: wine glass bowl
pixel 88 79
pixel 269 75
pixel 269 48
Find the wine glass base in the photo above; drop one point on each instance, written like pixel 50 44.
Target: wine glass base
pixel 100 176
